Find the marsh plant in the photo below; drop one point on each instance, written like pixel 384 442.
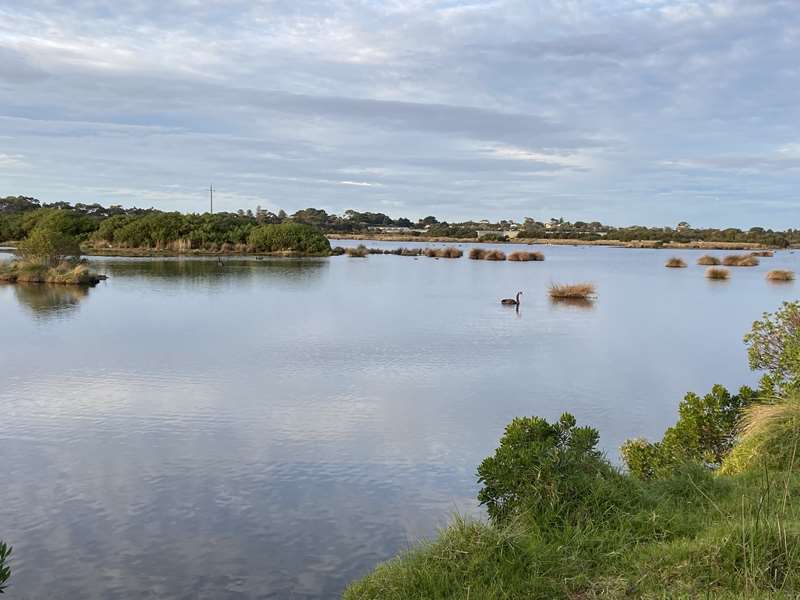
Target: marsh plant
pixel 708 260
pixel 740 260
pixel 359 251
pixel 575 291
pixel 494 255
pixel 477 253
pixel 718 273
pixel 523 256
pixel 780 275
pixel 675 263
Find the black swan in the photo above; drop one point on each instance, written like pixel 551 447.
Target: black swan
pixel 511 301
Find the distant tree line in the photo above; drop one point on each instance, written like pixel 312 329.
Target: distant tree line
pixel 115 226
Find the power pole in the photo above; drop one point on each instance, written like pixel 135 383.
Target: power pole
pixel 211 197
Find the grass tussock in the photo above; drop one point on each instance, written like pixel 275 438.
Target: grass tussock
pixel 740 260
pixel 709 261
pixel 576 291
pixel 717 273
pixel 780 275
pixel 763 253
pixel 65 273
pixel 360 251
pixel 768 437
pixel 522 256
pixel 477 253
pixel 675 263
pixel 494 255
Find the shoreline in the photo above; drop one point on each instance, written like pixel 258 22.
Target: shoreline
pixel 637 244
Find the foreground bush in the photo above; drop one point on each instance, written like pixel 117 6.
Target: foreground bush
pixel 543 469
pixel 289 237
pixel 773 346
pixel 704 434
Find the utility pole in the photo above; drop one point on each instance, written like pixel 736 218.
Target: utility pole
pixel 211 197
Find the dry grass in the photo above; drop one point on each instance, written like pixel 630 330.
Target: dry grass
pixel 449 252
pixel 675 263
pixel 780 275
pixel 582 291
pixel 763 253
pixel 740 260
pixel 494 255
pixel 477 253
pixel 717 273
pixel 708 260
pixel 522 256
pixel 768 437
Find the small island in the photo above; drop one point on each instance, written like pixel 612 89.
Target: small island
pixel 49 255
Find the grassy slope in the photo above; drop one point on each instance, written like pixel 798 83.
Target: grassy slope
pixel 695 535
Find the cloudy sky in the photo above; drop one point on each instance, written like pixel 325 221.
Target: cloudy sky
pixel 625 111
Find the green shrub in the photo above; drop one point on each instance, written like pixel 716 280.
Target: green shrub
pixel 289 237
pixel 541 469
pixel 774 346
pixel 704 433
pixel 48 246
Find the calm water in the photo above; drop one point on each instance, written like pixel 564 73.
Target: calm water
pixel 273 429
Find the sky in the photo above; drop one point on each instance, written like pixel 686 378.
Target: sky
pixel 624 111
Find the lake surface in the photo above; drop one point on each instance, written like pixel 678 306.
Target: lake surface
pixel 274 428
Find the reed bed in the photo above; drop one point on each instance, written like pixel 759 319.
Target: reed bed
pixel 740 260
pixel 522 256
pixel 675 263
pixel 709 260
pixel 763 253
pixel 494 255
pixel 780 275
pixel 575 291
pixel 477 253
pixel 717 273
pixel 449 252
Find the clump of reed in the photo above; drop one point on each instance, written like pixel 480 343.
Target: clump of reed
pixel 763 253
pixel 359 251
pixel 522 256
pixel 450 252
pixel 477 253
pixel 717 273
pixel 675 263
pixel 740 260
pixel 404 251
pixel 575 291
pixel 337 251
pixel 708 260
pixel 494 255
pixel 780 275
pixel 376 251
